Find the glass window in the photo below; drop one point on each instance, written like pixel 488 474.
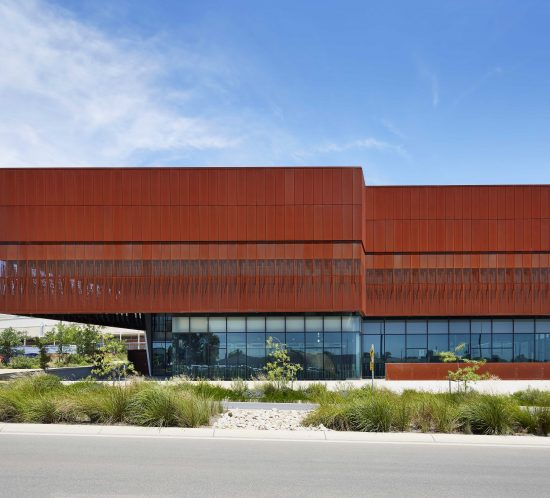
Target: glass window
pixel 395 326
pixel 236 324
pixel 524 347
pixel 502 347
pixel 199 324
pixel 333 339
pixel 543 326
pixel 524 326
pixel 416 341
pixel 416 326
pixel 314 324
pixel 481 346
pixel 294 323
pixel 351 355
pixel 350 323
pixel 459 326
pixel 373 327
pixel 333 323
pixel 394 348
pixel 180 324
pixel 314 340
pixel 460 343
pixel 503 326
pixel 255 340
pixel 438 326
pixel 255 324
pixel 216 324
pixel 236 341
pixel 295 340
pixel 416 355
pixel 275 324
pixel 542 347
pixel 481 327
pixel 376 340
pixel 437 343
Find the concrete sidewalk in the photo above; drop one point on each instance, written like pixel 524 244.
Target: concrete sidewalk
pixel 247 434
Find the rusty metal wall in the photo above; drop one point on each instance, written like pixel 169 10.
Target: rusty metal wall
pixel 451 251
pixel 111 240
pixel 180 240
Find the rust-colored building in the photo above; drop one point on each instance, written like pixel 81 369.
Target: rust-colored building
pixel 211 261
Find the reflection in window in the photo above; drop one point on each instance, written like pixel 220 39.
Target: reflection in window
pixel 524 347
pixel 394 348
pixel 502 347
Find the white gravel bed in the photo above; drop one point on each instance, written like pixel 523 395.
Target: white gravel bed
pixel 290 420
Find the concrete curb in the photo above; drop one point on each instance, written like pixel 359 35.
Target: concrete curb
pixel 275 435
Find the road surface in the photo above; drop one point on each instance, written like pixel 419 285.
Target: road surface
pixel 34 465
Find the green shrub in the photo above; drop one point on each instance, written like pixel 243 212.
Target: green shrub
pixel 373 414
pixel 532 397
pixel 24 362
pixel 47 409
pixel 10 406
pixel 435 413
pixel 535 420
pixel 488 415
pixel 38 383
pixel 404 410
pixel 332 416
pixel 163 407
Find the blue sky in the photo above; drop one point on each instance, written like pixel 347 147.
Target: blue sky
pixel 415 92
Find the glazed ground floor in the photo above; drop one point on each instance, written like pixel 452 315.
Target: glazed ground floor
pixel 334 347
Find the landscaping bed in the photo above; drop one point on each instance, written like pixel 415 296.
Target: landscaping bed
pixel 180 403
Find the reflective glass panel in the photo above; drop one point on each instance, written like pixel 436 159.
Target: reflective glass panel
pixel 394 348
pixel 438 326
pixel 416 341
pixel 481 326
pixel 416 326
pixel 481 346
pixel 216 324
pixel 437 343
pixel 395 326
pixel 180 324
pixel 459 326
pixel 373 327
pixel 294 323
pixel 542 347
pixel 460 343
pixel 502 347
pixel 236 324
pixel 543 326
pixel 255 324
pixel 524 347
pixel 524 326
pixel 275 324
pixel 351 323
pixel 333 339
pixel 503 326
pixel 332 323
pixel 314 340
pixel 314 324
pixel 295 340
pixel 199 324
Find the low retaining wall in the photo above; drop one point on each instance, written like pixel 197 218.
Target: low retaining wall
pixel 438 371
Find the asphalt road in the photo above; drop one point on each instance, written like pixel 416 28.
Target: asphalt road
pixel 95 466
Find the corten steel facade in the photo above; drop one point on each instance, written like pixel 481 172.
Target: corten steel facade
pixel 154 244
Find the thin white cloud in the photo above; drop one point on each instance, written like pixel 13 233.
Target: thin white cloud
pixel 73 96
pixel 368 143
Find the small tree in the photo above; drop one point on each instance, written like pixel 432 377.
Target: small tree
pixel 469 373
pixel 43 356
pixel 10 340
pixel 62 335
pixel 109 360
pixel 280 369
pixel 87 339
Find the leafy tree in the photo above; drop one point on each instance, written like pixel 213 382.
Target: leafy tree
pixel 466 374
pixel 87 339
pixel 62 335
pixel 280 369
pixel 10 340
pixel 43 356
pixel 109 360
